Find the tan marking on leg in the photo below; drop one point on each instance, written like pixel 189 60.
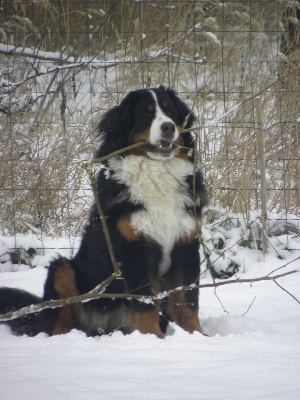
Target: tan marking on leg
pixel 64 284
pixel 177 307
pixel 185 317
pixel 147 322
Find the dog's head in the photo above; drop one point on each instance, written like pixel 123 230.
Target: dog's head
pixel 155 116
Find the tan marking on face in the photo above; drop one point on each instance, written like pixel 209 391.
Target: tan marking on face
pixel 150 108
pixel 139 137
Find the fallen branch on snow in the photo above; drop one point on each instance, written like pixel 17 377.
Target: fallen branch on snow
pixel 34 308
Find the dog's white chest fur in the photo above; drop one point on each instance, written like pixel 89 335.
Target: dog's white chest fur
pixel 161 188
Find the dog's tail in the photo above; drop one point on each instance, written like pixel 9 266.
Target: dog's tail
pixel 13 300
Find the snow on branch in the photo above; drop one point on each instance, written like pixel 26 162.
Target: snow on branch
pixel 56 57
pixel 34 308
pixel 166 50
pixel 232 110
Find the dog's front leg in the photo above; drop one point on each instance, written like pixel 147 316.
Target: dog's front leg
pixel 139 265
pixel 183 305
pixel 146 321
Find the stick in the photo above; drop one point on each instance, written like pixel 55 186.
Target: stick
pixel 117 271
pixel 262 166
pixel 116 153
pixel 48 56
pixel 286 291
pixel 92 296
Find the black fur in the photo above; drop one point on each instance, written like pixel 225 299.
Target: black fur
pixel 139 258
pixel 14 299
pixel 121 119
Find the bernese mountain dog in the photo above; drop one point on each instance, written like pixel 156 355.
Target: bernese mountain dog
pixel 152 197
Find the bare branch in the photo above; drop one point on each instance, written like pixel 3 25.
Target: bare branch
pixel 286 291
pixel 285 265
pixel 117 152
pixel 214 123
pixel 166 50
pixel 145 299
pixel 57 57
pixel 13 86
pixel 249 306
pixel 88 168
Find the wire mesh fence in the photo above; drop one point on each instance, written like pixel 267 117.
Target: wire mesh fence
pixel 63 63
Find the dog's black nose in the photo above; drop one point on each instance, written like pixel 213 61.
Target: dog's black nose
pixel 168 130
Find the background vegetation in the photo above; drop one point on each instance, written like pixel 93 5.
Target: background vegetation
pixel 64 62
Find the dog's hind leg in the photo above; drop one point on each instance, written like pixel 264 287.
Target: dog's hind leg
pixel 61 284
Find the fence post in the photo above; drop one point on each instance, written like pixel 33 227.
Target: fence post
pixel 260 137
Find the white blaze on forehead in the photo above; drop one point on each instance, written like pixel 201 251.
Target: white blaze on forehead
pixel 160 118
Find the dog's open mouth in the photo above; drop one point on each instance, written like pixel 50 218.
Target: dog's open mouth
pixel 164 148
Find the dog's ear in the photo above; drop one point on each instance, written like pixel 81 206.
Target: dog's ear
pixel 185 114
pixel 186 117
pixel 115 126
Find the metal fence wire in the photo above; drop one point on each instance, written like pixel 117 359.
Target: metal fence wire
pixel 64 62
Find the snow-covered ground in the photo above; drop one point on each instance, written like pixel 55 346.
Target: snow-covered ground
pixel 252 350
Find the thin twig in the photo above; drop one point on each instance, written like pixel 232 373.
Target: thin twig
pixel 88 168
pixel 99 160
pixel 289 293
pixel 249 306
pixel 260 135
pixel 283 266
pixel 219 300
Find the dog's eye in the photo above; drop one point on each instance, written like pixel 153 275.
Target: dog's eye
pixel 149 110
pixel 166 108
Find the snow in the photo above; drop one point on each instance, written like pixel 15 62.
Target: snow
pixel 140 367
pixel 213 37
pixel 54 56
pixel 252 350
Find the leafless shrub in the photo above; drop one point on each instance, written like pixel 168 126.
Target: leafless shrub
pixel 217 55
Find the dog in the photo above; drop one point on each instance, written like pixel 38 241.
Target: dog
pixel 152 197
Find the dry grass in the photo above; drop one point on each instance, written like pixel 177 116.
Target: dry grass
pixel 215 56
